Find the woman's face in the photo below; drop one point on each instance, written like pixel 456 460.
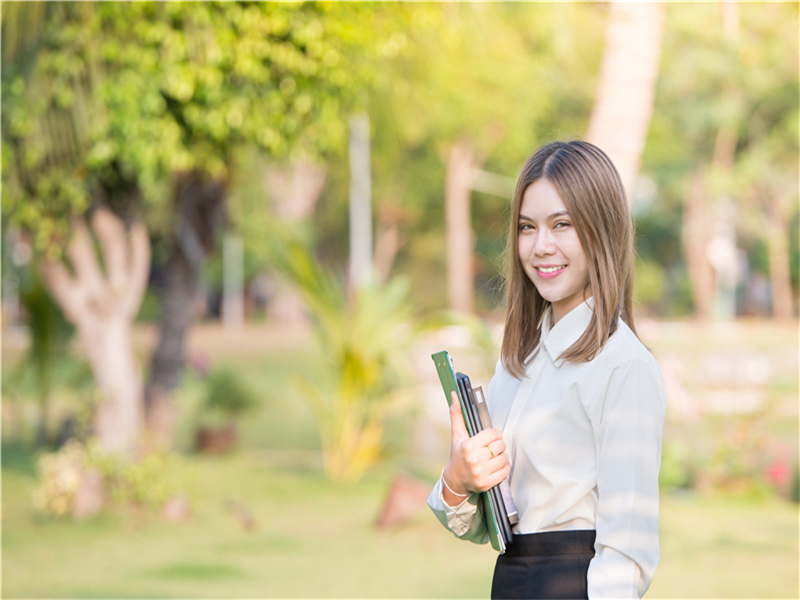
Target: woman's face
pixel 549 249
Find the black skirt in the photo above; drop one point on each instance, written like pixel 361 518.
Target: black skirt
pixel 552 564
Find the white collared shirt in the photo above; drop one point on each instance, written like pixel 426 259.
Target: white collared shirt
pixel 584 441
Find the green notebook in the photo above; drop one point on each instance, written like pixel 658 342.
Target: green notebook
pixel 490 503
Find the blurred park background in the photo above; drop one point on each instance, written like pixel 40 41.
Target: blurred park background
pixel 233 234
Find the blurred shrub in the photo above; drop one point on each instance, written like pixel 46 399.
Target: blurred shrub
pixel 364 336
pixel 60 475
pixel 143 483
pixel 675 471
pixel 745 461
pixel 226 397
pixel 650 284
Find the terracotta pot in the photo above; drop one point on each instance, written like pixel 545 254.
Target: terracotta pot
pixel 216 440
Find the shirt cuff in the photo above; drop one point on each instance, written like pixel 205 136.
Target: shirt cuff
pixel 459 518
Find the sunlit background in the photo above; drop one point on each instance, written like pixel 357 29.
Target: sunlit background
pixel 233 234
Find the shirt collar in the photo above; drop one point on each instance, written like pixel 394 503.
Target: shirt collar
pixel 566 332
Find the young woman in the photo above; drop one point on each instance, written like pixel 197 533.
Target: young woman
pixel 577 401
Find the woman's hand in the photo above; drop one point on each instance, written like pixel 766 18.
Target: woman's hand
pixel 476 463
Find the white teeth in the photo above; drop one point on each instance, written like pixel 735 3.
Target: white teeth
pixel 550 269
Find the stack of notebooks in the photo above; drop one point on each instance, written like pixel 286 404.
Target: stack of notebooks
pixel 497 506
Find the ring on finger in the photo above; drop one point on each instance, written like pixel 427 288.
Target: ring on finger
pixel 489 448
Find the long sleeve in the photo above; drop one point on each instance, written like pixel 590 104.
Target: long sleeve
pixel 628 428
pixel 464 520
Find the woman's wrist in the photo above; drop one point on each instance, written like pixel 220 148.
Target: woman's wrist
pixel 451 494
pixel 451 490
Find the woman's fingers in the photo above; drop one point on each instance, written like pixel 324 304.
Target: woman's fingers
pixel 495 471
pixel 487 436
pixel 485 461
pixel 488 442
pixel 476 463
pixel 497 476
pixel 496 447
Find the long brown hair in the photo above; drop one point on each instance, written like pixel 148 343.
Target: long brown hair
pixel 594 196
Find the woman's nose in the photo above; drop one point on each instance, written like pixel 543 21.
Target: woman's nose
pixel 544 243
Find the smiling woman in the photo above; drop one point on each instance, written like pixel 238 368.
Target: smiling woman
pixel 578 400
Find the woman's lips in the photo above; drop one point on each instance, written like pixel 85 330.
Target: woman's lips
pixel 550 271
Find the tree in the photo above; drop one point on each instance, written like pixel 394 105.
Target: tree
pixel 230 77
pixel 471 86
pixel 724 138
pixel 146 108
pixel 627 85
pixel 102 302
pixel 50 184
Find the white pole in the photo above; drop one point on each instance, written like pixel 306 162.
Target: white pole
pixel 360 202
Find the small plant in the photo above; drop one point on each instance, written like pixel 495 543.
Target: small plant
pixel 675 473
pixel 142 483
pixel 60 475
pixel 226 398
pixel 363 335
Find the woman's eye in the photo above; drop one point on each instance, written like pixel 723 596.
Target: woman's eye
pixel 561 225
pixel 525 227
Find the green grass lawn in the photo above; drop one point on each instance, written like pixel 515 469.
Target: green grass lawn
pixel 318 539
pixel 314 539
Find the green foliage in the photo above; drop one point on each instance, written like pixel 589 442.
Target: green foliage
pixel 144 483
pixel 675 472
pixel 120 96
pixel 59 475
pixel 49 116
pixel 447 73
pixel 650 283
pixel 49 330
pixel 226 395
pixel 738 464
pixel 363 335
pixel 737 81
pixel 49 368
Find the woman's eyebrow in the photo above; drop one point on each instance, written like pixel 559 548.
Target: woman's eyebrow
pixel 561 213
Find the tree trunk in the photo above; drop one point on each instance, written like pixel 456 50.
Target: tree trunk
pixel 387 244
pixel 705 223
pixel 626 88
pixel 389 238
pixel 461 164
pixel 779 270
pixel 694 236
pixel 293 191
pixel 102 304
pixel 200 204
pixel 178 295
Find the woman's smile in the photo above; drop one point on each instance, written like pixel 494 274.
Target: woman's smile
pixel 550 251
pixel 549 272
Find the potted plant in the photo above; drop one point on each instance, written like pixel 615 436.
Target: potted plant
pixel 226 397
